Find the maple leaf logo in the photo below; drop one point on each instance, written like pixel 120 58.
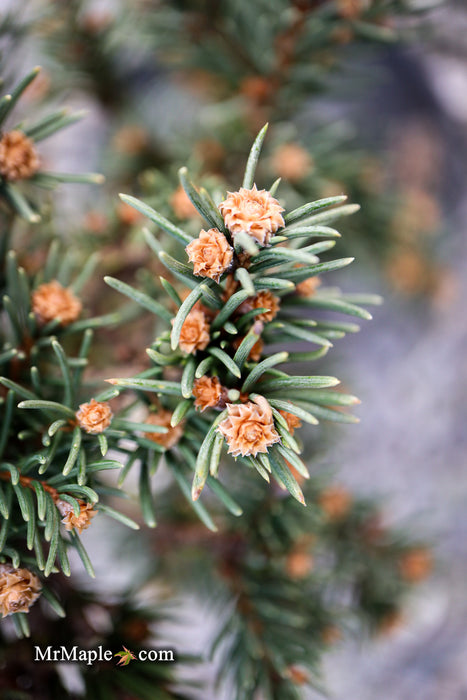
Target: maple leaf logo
pixel 126 657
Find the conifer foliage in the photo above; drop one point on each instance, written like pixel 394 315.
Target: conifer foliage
pixel 254 272
pixel 241 310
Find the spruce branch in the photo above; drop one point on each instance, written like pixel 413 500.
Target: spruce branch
pixel 257 276
pixel 52 447
pixel 19 158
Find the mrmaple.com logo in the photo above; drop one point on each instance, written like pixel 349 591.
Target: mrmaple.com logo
pixel 91 656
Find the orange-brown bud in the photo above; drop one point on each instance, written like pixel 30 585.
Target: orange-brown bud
pixel 18 156
pixel 127 214
pixel 291 162
pixel 19 589
pixel 257 88
pixel 308 287
pixel 207 392
pixel 299 564
pixel 173 434
pixel 350 9
pixel 263 300
pixel 255 352
pixel 297 675
pixel 416 564
pixel 94 417
pixel 52 302
pixel 254 212
pixel 71 520
pixel 182 205
pixel 210 254
pixel 195 332
pixel 131 139
pixel 249 428
pixel 336 502
pixel 292 421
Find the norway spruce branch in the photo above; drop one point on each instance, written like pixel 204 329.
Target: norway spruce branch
pixel 54 437
pixel 20 162
pixel 53 444
pixel 249 274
